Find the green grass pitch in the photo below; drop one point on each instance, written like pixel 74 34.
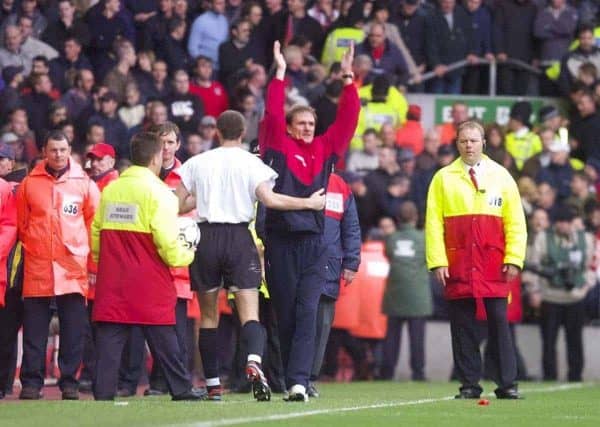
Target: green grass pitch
pixel 346 405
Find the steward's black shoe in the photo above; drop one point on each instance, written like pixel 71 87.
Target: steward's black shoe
pixel 508 393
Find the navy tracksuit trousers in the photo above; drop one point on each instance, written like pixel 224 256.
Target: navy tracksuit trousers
pixel 295 271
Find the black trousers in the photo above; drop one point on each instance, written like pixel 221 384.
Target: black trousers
pixel 11 319
pixel 571 316
pixel 295 270
pixel 163 343
pixel 466 339
pixel 36 319
pixel 89 348
pixel 391 346
pixel 325 315
pixel 513 81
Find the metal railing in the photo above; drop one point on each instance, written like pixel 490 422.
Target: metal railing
pixel 481 61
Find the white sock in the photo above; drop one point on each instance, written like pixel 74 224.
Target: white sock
pixel 211 382
pixel 255 358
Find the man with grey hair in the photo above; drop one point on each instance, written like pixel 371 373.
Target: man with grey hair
pixel 12 53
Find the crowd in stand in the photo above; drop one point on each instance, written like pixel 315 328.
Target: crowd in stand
pixel 101 71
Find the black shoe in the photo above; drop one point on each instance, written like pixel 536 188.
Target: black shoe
pixel 468 393
pixel 508 393
pixel 260 386
pixel 154 392
pixel 312 391
pixel 123 392
pixel 70 393
pixel 194 394
pixel 30 393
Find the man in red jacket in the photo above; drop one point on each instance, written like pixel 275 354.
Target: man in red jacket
pixel 294 248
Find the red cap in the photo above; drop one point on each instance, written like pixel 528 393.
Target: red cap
pixel 100 150
pixel 414 112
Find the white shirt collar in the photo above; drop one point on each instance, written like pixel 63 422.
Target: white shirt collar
pixel 478 167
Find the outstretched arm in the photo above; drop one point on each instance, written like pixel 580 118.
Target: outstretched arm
pixel 281 202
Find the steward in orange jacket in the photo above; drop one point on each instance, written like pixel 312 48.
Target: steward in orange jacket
pixel 56 203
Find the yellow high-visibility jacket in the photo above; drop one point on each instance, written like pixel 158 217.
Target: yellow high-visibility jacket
pixel 523 147
pixel 474 232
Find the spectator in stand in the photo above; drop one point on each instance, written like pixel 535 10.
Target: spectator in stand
pixel 94 107
pixel 561 263
pixel 422 177
pixel 67 26
pixel 477 76
pixel 132 113
pixel 114 129
pixel 521 142
pixel 411 20
pixel 120 76
pixel 410 134
pixel 387 58
pixel 324 12
pixel 427 159
pixel 12 54
pixel 407 298
pixel 549 116
pixel 185 110
pixel 326 106
pixel 547 200
pixel 107 26
pixel 54 268
pixel 586 130
pixel 447 131
pixel 513 38
pixel 581 196
pixel 587 51
pixel 208 133
pixel 29 9
pixel 245 103
pixel 378 180
pixel 24 143
pixel 37 104
pixel 449 39
pixel 159 87
pixel 64 68
pixel 94 135
pixel 7 8
pixel 554 28
pixel 172 48
pixel 142 71
pixel 542 159
pixel 10 96
pixel 366 160
pixel 33 46
pixel 191 147
pixel 397 192
pixel 496 149
pixel 153 19
pixel 211 92
pixel 157 114
pixel 559 172
pixel 208 31
pixel 285 24
pixel 238 52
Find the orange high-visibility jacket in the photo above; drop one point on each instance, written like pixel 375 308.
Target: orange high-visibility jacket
pixel 474 232
pixel 54 216
pixel 8 231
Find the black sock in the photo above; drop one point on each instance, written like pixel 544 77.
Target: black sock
pixel 207 344
pixel 253 337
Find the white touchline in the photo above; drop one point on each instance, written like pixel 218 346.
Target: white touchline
pixel 289 415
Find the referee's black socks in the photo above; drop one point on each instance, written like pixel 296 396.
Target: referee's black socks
pixel 207 344
pixel 253 338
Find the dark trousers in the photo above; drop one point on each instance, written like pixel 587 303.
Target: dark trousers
pixel 391 346
pixel 341 338
pixel 36 319
pixel 295 270
pixel 466 339
pixel 513 81
pixel 11 319
pixel 571 316
pixel 476 80
pixel 163 342
pixel 157 376
pixel 325 315
pixel 89 349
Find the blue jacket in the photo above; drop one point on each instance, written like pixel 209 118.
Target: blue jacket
pixel 341 234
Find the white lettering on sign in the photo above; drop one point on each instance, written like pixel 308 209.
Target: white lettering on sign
pixel 334 202
pixel 477 112
pixel 121 213
pixel 404 249
pixel 71 206
pixel 378 268
pixel 502 115
pixel 446 114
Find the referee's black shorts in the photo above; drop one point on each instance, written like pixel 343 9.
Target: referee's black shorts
pixel 226 255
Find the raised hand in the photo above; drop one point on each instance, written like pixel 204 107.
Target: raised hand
pixel 348 59
pixel 279 60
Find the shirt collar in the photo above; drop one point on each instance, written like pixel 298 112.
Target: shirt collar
pixel 478 167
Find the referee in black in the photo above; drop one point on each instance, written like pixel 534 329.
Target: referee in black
pixel 223 185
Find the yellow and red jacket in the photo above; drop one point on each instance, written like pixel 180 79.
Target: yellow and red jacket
pixel 474 232
pixel 181 275
pixel 8 232
pixel 134 241
pixel 104 180
pixel 53 217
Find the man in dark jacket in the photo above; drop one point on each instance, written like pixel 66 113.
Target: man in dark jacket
pixel 185 110
pixel 342 237
pixel 513 38
pixel 449 39
pixel 412 23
